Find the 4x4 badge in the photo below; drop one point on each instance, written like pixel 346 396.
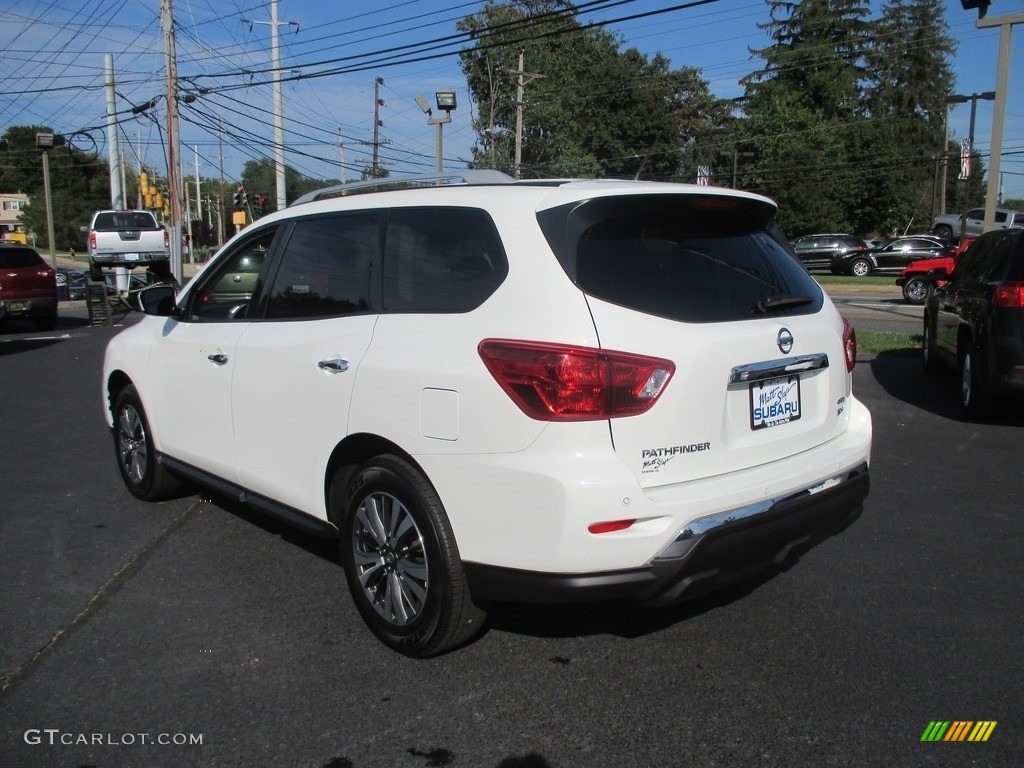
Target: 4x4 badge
pixel 785 341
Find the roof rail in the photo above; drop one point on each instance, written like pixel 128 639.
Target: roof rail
pixel 482 176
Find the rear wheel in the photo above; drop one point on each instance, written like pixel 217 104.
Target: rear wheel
pixel 860 268
pixel 401 561
pixel 944 231
pixel 143 475
pixel 47 322
pixel 915 290
pixel 970 391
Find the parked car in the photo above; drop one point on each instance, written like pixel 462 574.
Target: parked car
pixel 948 225
pixel 918 277
pixel 545 391
pixel 816 251
pixel 28 286
pixel 127 239
pixel 73 281
pixel 890 258
pixel 975 320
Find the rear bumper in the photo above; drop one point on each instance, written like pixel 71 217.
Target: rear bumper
pixel 121 260
pixel 708 553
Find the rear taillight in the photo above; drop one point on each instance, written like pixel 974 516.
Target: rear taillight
pixel 849 345
pixel 92 242
pixel 167 241
pixel 559 382
pixel 1009 296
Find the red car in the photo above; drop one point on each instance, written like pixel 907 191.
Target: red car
pixel 914 277
pixel 28 286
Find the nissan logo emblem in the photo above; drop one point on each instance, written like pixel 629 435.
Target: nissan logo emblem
pixel 784 340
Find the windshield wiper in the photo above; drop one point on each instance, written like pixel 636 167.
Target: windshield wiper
pixel 776 303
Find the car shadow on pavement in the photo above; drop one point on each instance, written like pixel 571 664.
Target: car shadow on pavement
pixel 901 374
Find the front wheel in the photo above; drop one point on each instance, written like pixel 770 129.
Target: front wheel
pixel 915 290
pixel 401 560
pixel 944 231
pixel 143 475
pixel 860 268
pixel 928 349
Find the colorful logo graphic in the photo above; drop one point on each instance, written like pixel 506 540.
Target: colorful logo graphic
pixel 958 730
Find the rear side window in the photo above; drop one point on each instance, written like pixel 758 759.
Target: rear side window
pixel 441 260
pixel 325 267
pixel 691 258
pixel 13 258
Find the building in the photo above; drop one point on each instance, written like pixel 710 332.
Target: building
pixel 11 227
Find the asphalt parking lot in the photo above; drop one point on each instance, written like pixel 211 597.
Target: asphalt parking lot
pixel 196 633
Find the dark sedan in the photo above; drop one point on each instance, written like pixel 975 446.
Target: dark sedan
pixel 817 251
pixel 891 257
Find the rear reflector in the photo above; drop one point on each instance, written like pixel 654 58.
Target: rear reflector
pixel 560 382
pixel 849 345
pixel 610 526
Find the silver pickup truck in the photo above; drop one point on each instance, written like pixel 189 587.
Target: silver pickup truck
pixel 947 225
pixel 127 239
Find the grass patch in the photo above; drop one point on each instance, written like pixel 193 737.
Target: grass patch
pixel 854 281
pixel 875 342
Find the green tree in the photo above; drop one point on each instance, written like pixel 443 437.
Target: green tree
pixel 260 177
pixel 79 185
pixel 815 151
pixel 589 108
pixel 910 76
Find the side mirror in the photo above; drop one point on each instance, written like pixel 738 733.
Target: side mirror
pixel 84 228
pixel 157 300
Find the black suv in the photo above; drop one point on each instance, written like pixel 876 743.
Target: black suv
pixel 975 321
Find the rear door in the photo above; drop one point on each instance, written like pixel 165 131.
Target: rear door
pixel 760 368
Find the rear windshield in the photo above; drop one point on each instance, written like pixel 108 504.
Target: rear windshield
pixel 692 258
pixel 125 220
pixel 20 257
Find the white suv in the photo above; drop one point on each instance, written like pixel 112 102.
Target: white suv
pixel 499 390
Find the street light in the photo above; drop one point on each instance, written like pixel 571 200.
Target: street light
pixel 446 102
pixel 46 142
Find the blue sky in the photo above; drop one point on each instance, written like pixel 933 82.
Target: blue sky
pixel 52 58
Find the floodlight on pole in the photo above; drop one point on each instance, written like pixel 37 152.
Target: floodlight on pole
pixel 446 102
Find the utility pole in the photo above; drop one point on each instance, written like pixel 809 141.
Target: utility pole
pixel 520 104
pixel 113 150
pixel 220 199
pixel 173 146
pixel 341 155
pixel 1005 24
pixel 378 102
pixel 278 108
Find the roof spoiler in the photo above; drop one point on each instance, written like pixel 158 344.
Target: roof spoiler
pixel 472 177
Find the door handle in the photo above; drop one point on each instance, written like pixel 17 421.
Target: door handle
pixel 218 359
pixel 336 365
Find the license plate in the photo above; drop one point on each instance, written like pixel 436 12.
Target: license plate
pixel 17 306
pixel 131 257
pixel 774 402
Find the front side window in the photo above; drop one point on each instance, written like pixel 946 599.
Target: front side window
pixel 226 292
pixel 326 267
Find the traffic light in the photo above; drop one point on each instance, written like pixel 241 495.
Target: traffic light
pixel 239 198
pixel 264 204
pixel 981 5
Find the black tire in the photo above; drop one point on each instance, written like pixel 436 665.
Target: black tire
pixel 944 231
pixel 143 475
pixel 860 267
pixel 915 290
pixel 95 272
pixel 931 365
pixel 401 560
pixel 971 395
